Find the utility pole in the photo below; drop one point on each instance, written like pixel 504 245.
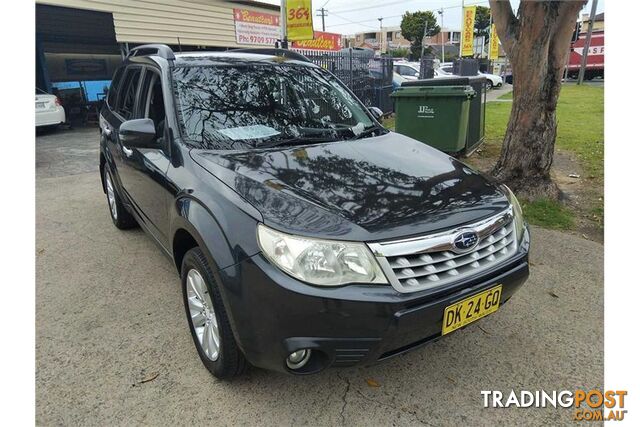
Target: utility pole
pixel 490 35
pixel 322 12
pixel 441 13
pixel 587 42
pixel 424 36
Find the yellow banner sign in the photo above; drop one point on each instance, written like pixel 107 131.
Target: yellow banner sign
pixel 299 20
pixel 494 44
pixel 466 42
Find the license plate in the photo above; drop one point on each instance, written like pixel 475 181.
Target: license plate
pixel 39 104
pixel 471 309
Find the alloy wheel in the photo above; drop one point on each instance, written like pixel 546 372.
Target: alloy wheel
pixel 111 196
pixel 203 316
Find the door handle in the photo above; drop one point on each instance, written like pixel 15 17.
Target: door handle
pixel 127 152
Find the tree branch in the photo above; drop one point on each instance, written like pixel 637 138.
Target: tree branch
pixel 506 23
pixel 565 24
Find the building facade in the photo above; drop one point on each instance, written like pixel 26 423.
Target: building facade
pixel 598 23
pixel 392 39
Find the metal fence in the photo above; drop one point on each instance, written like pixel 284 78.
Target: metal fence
pixel 369 78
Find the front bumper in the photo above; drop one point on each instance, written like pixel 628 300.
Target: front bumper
pixel 273 314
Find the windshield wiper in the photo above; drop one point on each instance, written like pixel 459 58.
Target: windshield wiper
pixel 367 131
pixel 294 141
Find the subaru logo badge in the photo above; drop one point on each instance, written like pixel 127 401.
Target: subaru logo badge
pixel 465 241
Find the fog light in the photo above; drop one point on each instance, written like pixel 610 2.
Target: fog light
pixel 298 359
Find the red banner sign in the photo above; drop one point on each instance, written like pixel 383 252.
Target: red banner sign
pixel 321 41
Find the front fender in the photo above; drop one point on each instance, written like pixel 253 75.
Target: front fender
pixel 222 250
pixel 227 237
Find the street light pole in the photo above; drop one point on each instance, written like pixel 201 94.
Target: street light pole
pixel 587 42
pixel 441 13
pixel 381 36
pixel 460 51
pixel 283 24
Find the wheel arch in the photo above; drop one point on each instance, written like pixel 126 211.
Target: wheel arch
pixel 193 225
pixel 183 241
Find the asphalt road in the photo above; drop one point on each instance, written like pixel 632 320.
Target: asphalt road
pixel 113 346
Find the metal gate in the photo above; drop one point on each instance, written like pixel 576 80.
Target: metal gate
pixel 368 77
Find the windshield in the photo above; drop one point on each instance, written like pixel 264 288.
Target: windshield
pixel 251 105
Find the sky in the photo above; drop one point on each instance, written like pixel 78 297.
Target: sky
pixel 353 16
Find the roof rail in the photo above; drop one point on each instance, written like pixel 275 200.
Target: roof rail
pixel 162 50
pixel 275 52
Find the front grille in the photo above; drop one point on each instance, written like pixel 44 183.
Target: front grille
pixel 434 261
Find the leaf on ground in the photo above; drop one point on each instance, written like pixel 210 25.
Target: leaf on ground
pixel 553 294
pixel 41 250
pixel 372 383
pixel 149 377
pixel 451 380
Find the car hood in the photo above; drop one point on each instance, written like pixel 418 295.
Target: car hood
pixel 371 189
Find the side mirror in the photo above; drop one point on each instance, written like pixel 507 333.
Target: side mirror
pixel 416 75
pixel 376 112
pixel 139 133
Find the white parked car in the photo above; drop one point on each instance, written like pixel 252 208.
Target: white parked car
pixel 446 70
pixel 408 70
pixel 496 81
pixel 49 111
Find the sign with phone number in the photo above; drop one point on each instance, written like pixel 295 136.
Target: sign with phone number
pixel 256 28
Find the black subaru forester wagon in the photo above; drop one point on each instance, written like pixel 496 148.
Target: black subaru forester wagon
pixel 305 234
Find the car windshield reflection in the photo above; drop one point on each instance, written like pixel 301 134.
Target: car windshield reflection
pixel 251 105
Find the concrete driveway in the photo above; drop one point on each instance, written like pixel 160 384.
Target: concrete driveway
pixel 113 345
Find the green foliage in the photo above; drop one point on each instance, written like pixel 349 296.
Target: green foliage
pixel 413 29
pixel 481 25
pixel 449 56
pixel 549 214
pixel 400 52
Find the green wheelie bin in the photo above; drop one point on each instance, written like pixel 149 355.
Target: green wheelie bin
pixel 435 115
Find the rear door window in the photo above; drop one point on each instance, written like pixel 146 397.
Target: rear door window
pixel 128 91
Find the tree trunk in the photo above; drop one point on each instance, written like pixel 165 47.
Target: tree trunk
pixel 537 43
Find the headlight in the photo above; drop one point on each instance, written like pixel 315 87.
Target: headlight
pixel 320 262
pixel 518 218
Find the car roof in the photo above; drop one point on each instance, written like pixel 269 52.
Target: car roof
pixel 231 57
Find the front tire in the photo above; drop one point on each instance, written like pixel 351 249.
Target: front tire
pixel 120 216
pixel 207 318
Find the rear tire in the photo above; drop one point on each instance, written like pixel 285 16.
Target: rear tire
pixel 205 311
pixel 120 216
